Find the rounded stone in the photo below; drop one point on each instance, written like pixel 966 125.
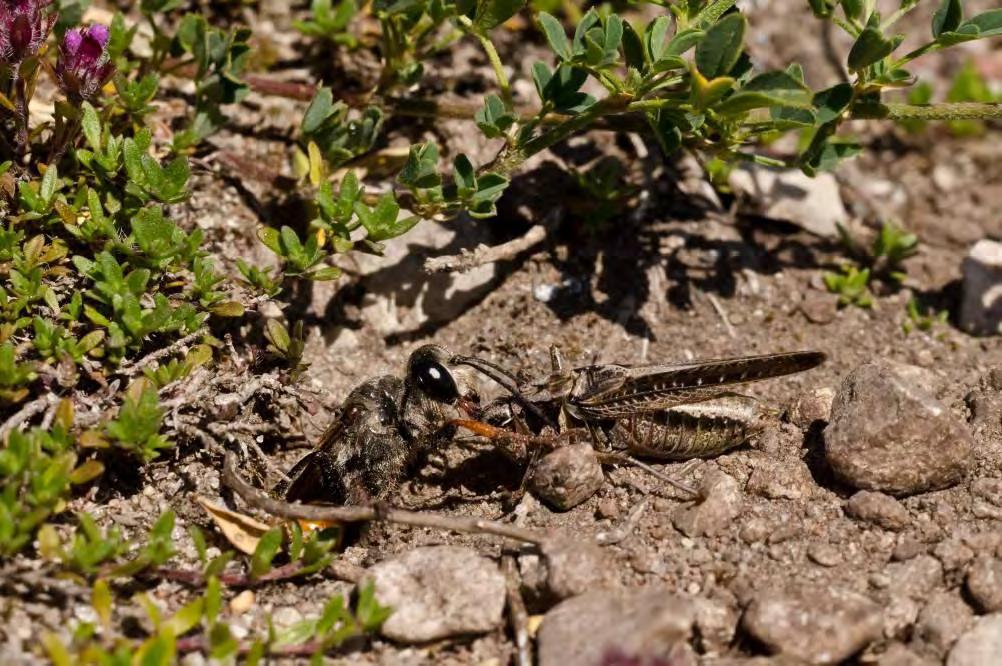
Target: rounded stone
pixel 981 645
pixel 567 476
pixel 888 433
pixel 984 583
pixel 641 626
pixel 438 592
pixel 817 625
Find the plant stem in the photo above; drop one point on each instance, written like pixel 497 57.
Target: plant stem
pixel 944 111
pixel 494 58
pixel 22 110
pixel 610 105
pixel 920 51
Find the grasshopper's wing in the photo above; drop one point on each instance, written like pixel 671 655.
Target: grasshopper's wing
pixel 615 391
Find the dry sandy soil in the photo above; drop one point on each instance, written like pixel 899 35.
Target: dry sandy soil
pixel 670 276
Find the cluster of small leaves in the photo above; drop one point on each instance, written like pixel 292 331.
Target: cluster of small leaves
pixel 922 318
pixel 686 73
pixel 38 468
pixel 93 270
pixel 330 23
pixel 288 348
pixel 199 626
pixel 882 261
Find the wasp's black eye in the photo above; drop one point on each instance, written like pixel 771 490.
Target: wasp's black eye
pixel 434 380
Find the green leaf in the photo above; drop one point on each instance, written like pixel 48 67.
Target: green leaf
pixel 853 8
pixel 683 41
pixel 185 619
pixel 324 274
pixel 947 18
pixel 494 119
pixel 871 46
pixel 319 110
pixel 91 125
pixel 555 35
pixel 271 239
pixel 492 13
pixel 770 89
pixel 832 102
pixel 633 48
pixel 720 48
pixel 655 37
pixel 464 175
pixel 267 549
pixel 421 169
pixel 278 335
pixel 989 23
pixel 228 309
pixel 49 181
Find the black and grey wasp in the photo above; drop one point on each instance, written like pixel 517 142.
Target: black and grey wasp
pixel 383 427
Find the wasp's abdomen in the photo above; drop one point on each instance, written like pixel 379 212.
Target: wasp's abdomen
pixel 698 430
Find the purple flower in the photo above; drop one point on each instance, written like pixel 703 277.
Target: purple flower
pixel 83 65
pixel 24 27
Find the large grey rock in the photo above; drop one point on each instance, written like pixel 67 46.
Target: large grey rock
pixel 981 646
pixel 890 434
pixel 643 624
pixel 981 305
pixel 820 625
pixel 814 204
pixel 437 592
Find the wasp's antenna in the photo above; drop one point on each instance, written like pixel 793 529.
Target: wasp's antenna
pixel 505 380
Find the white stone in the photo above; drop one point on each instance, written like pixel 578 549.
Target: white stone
pixel 981 305
pixel 813 204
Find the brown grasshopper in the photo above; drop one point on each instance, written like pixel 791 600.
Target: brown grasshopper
pixel 665 412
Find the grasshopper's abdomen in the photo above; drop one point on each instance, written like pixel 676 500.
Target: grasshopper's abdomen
pixel 696 430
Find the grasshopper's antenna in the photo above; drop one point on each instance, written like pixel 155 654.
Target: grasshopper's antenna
pixel 504 379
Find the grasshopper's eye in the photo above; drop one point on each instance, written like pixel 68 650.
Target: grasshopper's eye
pixel 434 380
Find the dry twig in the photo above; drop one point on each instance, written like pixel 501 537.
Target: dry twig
pixel 36 406
pixel 486 254
pixel 129 369
pixel 517 613
pixel 360 514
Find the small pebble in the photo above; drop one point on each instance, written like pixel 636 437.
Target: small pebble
pixel 567 476
pixel 608 509
pixel 984 583
pixel 242 603
pixel 878 509
pixel 825 554
pixel 821 625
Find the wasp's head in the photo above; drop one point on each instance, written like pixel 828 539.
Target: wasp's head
pixel 428 372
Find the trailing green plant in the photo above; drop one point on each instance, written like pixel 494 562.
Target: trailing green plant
pixel 198 626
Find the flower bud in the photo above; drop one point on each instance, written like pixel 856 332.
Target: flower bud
pixel 83 67
pixel 24 27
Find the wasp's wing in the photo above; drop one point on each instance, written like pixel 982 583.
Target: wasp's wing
pixel 314 478
pixel 616 391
